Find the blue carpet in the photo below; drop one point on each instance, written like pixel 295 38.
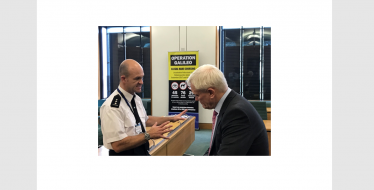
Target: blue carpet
pixel 201 143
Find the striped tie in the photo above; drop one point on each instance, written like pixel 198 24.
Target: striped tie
pixel 214 122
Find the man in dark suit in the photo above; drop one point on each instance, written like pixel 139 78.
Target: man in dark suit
pixel 237 127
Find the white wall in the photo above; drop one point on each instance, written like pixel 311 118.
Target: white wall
pixel 164 39
pixel 178 38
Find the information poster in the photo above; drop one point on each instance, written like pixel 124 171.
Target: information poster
pixel 181 65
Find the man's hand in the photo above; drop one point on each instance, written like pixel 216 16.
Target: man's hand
pixel 179 116
pixel 158 131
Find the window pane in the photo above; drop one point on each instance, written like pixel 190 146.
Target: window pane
pixel 267 62
pixel 115 30
pixel 251 63
pixel 146 64
pixel 133 50
pixel 240 52
pixel 115 57
pixel 138 48
pixel 133 46
pixel 128 29
pixel 145 28
pixel 232 58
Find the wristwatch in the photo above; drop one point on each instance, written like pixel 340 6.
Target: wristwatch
pixel 146 136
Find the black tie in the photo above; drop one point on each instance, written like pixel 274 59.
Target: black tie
pixel 136 114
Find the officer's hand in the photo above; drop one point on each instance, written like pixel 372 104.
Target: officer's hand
pixel 179 116
pixel 158 131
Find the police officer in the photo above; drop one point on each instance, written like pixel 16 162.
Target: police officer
pixel 123 117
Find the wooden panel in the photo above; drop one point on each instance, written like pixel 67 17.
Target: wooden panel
pixel 160 152
pixel 205 126
pixel 267 125
pixel 180 140
pixel 160 147
pixel 269 138
pixel 269 116
pixel 268 110
pixel 268 129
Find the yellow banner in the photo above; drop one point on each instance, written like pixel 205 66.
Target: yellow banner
pixel 182 64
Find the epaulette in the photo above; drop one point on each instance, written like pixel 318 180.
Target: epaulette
pixel 116 101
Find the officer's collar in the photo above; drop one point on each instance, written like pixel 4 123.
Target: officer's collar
pixel 126 94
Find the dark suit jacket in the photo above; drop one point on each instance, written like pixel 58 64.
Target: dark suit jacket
pixel 239 129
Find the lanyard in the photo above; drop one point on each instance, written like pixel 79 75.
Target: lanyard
pixel 146 145
pixel 123 96
pixel 141 123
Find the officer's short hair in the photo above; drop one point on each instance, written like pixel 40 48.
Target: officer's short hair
pixel 123 69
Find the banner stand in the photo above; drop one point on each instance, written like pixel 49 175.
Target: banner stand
pixel 181 65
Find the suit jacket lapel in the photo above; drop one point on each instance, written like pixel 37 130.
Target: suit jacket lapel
pixel 225 104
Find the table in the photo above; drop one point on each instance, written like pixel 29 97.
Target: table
pixel 181 138
pixel 267 125
pixel 268 110
pixel 268 130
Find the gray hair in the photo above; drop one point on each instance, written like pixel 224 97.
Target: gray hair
pixel 207 76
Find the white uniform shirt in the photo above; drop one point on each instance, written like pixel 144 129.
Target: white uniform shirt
pixel 118 123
